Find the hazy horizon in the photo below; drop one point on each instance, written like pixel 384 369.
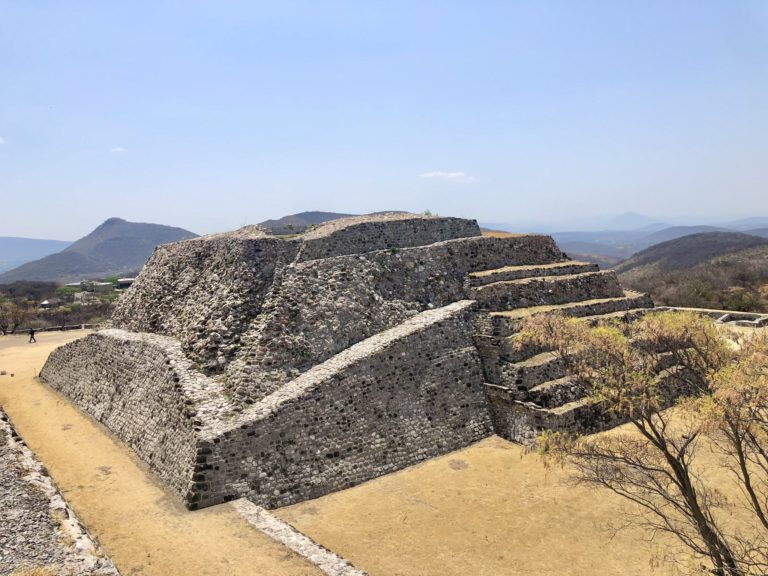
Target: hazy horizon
pixel 211 117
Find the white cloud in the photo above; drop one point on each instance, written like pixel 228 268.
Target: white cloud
pixel 117 150
pixel 2 140
pixel 451 176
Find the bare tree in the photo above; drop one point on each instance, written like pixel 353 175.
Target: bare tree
pixel 12 315
pixel 635 371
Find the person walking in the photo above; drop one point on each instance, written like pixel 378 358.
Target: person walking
pixel 32 336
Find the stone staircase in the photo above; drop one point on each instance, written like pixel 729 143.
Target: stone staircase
pixel 527 388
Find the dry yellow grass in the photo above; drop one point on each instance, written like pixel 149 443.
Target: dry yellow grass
pixel 38 571
pixel 142 527
pixel 492 509
pixel 485 510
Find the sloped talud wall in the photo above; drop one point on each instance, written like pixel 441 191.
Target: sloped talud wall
pixel 133 384
pixel 402 396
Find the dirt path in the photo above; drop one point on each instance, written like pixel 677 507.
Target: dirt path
pixel 144 529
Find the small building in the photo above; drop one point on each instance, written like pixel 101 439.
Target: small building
pixel 124 283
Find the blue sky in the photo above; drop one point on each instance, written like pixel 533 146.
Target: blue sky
pixel 210 115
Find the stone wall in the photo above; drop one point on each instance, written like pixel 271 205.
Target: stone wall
pixel 527 271
pixel 402 396
pixel 547 290
pixel 207 291
pixel 204 291
pixel 133 384
pixel 379 232
pixel 325 306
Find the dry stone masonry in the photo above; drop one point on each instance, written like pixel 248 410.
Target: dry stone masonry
pixel 39 531
pixel 284 368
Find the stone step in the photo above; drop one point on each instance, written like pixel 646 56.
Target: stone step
pixel 521 421
pixel 568 416
pixel 555 393
pixel 526 374
pixel 626 316
pixel 529 271
pixel 506 323
pixel 546 290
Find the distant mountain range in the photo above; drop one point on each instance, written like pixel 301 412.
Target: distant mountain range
pixel 115 248
pixel 627 222
pixel 16 251
pixel 296 223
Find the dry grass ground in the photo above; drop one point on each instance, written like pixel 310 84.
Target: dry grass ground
pixel 142 527
pixel 486 510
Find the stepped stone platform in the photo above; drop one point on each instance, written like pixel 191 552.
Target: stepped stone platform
pixel 284 368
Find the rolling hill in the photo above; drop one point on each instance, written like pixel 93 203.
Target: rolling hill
pixel 17 251
pixel 723 270
pixel 115 248
pixel 689 251
pixel 674 232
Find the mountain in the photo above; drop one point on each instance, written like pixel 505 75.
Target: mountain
pixel 296 223
pixel 762 232
pixel 16 251
pixel 115 248
pixel 721 270
pixel 612 238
